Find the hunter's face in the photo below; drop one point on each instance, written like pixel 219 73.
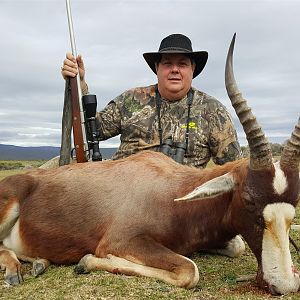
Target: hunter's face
pixel 174 74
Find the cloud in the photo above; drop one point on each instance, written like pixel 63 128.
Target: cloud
pixel 112 35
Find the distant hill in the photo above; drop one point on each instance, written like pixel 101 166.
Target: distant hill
pixel 11 152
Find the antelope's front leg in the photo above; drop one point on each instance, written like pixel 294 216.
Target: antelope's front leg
pixel 142 256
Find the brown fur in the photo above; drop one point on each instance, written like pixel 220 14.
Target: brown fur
pixel 126 209
pixel 73 208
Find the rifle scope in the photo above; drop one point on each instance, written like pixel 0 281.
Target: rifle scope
pixel 90 106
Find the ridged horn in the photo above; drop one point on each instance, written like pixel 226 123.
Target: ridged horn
pixel 260 150
pixel 290 156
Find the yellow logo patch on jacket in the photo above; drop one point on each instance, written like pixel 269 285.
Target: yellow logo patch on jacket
pixel 192 125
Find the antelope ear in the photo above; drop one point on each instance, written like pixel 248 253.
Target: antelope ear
pixel 211 188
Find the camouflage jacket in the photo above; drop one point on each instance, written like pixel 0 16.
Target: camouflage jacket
pixel 134 116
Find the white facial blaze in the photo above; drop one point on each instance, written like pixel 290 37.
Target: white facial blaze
pixel 279 182
pixel 277 264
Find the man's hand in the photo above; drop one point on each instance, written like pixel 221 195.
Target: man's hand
pixel 71 66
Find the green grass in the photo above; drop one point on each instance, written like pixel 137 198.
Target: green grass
pixel 21 163
pixel 218 281
pixel 218 276
pixel 12 167
pixel 4 174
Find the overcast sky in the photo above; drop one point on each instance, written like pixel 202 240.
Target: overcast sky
pixel 112 35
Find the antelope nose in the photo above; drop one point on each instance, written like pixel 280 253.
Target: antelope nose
pixel 273 291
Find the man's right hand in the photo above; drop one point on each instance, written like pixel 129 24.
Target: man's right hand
pixel 70 69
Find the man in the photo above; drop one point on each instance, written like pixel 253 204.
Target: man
pixel 170 116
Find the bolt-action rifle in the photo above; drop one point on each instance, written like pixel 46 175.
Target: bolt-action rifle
pixel 83 109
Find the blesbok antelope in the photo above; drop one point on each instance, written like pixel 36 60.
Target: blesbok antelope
pixel 121 216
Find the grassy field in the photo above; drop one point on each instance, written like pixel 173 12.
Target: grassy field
pixel 218 279
pixel 9 167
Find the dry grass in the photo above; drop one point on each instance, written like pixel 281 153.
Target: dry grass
pixel 218 280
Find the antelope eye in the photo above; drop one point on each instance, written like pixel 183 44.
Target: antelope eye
pixel 261 222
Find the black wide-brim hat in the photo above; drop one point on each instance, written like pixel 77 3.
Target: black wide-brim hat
pixel 177 44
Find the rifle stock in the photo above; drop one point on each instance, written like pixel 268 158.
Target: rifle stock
pixel 66 126
pixel 78 135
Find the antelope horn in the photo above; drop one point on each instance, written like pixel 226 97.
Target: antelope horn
pixel 260 150
pixel 290 156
